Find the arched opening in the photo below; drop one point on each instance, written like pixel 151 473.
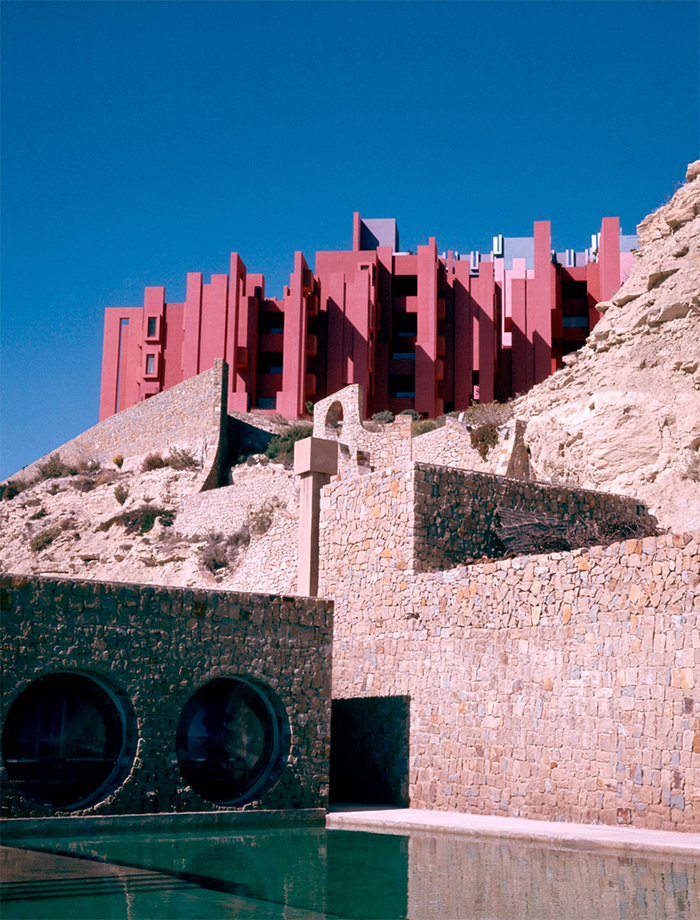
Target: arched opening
pixel 232 740
pixel 334 419
pixel 64 742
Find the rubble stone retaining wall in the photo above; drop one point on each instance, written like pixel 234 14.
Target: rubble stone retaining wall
pixel 560 686
pixel 154 647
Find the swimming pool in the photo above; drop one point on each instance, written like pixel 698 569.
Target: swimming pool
pixel 315 873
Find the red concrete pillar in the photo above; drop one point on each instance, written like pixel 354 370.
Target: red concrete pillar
pixel 247 347
pixel 111 346
pixel 335 309
pixel 358 314
pixel 426 340
pixel 539 321
pixel 214 322
pixel 237 398
pixel 152 318
pixel 193 319
pixel 356 231
pixel 462 336
pixel 609 257
pixel 522 371
pixel 290 400
pixel 484 294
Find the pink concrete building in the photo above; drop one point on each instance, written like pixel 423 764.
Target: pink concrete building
pixel 418 330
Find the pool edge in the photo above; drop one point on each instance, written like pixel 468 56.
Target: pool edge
pixel 622 840
pixel 76 825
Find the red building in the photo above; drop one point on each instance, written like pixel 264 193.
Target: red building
pixel 418 330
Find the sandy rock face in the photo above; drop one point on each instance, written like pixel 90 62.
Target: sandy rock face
pixel 85 527
pixel 624 414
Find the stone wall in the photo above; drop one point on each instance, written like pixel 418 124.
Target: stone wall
pixel 154 647
pixel 191 415
pixel 367 446
pixel 559 686
pixel 434 517
pixel 457 512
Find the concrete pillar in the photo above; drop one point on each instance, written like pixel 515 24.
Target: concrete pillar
pixel 315 461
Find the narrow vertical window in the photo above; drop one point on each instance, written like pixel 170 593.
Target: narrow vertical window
pixel 150 363
pixel 151 327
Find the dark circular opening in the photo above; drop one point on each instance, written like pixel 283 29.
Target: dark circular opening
pixel 64 741
pixel 232 740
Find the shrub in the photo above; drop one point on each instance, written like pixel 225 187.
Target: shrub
pixel 423 426
pixel 281 447
pixel 84 484
pixel 493 413
pixel 152 461
pixel 213 554
pixel 181 459
pixel 44 538
pixel 309 406
pixel 54 468
pixel 118 461
pixel 261 519
pixel 386 417
pixel 12 488
pixel 520 531
pixel 484 438
pixel 140 520
pixel 412 412
pixel 220 552
pixel 167 517
pixel 121 493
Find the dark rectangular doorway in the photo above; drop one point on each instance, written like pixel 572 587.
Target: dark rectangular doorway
pixel 370 750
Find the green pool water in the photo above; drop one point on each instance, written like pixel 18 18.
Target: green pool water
pixel 314 873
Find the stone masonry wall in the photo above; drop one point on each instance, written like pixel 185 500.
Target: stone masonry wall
pixel 155 647
pixel 454 510
pixel 560 686
pixel 190 415
pixel 370 445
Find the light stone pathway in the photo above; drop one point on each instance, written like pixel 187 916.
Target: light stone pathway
pixel 547 833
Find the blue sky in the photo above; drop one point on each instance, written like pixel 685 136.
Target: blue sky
pixel 143 140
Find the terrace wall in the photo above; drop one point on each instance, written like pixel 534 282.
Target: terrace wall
pixel 559 686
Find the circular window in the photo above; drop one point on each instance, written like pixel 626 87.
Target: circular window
pixel 64 741
pixel 232 740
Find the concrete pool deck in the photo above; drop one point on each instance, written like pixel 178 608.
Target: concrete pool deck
pixel 546 833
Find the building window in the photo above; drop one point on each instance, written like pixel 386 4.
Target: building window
pixel 404 286
pixel 402 386
pixel 232 740
pixel 270 362
pixel 152 322
pixel 271 324
pixel 65 741
pixel 150 364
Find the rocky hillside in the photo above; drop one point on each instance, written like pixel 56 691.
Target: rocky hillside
pixel 624 414
pixel 154 526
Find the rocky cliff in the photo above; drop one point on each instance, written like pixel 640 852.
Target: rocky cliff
pixel 624 413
